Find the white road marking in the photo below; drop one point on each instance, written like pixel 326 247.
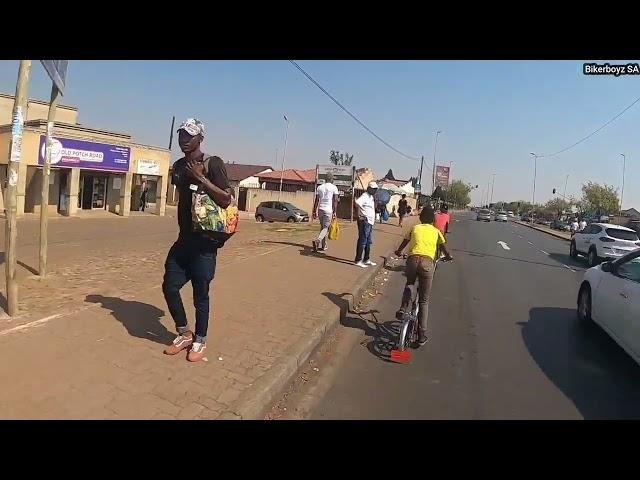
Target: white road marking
pixel 530 243
pixel 568 267
pixel 546 253
pixel 520 236
pixel 504 245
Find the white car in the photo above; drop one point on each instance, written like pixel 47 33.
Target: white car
pixel 610 296
pixel 603 241
pixel 501 217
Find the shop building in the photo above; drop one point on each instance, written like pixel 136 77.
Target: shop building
pixel 91 169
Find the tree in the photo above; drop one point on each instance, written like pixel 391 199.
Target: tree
pixel 601 199
pixel 556 206
pixel 338 158
pixel 458 194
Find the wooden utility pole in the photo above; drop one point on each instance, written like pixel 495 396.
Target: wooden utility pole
pixel 15 153
pixel 46 172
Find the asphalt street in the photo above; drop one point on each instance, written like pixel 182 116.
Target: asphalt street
pixel 504 341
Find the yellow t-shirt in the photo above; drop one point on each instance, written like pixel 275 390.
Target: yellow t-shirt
pixel 424 238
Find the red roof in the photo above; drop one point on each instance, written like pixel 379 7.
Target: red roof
pixel 291 175
pixel 238 172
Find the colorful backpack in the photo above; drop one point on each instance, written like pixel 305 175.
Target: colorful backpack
pixel 208 217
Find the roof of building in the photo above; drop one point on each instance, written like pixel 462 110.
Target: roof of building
pixel 40 102
pixel 238 172
pixel 631 212
pixel 292 175
pixel 397 183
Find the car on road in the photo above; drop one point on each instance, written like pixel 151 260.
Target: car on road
pixel 603 241
pixel 526 218
pixel 610 297
pixel 560 225
pixel 510 214
pixel 280 212
pixel 502 217
pixel 484 215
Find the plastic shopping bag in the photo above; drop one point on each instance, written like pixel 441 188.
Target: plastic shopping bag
pixel 334 229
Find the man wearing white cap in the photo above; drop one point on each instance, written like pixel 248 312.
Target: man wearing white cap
pixel 193 256
pixel 366 219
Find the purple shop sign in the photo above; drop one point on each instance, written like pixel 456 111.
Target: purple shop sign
pixel 68 153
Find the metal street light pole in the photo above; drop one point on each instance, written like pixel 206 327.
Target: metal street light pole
pixel 433 173
pixel 565 186
pixel 492 185
pixel 284 154
pixel 535 171
pixel 624 164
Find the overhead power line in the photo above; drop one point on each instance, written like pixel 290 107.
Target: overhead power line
pixel 591 134
pixel 351 114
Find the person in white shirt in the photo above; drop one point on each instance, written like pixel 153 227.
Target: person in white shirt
pixel 366 219
pixel 583 224
pixel 575 226
pixel 324 208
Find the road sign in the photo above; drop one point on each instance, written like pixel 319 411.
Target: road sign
pixel 57 71
pixel 343 175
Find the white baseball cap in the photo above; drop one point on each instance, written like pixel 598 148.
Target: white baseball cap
pixel 373 185
pixel 193 127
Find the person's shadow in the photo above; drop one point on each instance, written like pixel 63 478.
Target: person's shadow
pixel 140 319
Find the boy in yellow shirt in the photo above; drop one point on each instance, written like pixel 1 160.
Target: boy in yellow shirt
pixel 423 240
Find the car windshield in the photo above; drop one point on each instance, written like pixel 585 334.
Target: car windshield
pixel 484 211
pixel 290 206
pixel 622 234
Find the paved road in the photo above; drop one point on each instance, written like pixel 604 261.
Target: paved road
pixel 505 342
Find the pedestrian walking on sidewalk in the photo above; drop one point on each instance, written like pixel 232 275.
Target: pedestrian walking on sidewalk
pixel 366 219
pixel 324 208
pixel 575 226
pixel 143 196
pixel 583 224
pixel 193 256
pixel 403 206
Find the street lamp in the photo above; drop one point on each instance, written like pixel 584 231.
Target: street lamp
pixel 535 171
pixel 284 154
pixel 433 174
pixel 624 164
pixel 492 185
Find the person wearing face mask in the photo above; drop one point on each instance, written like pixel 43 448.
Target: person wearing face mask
pixel 366 219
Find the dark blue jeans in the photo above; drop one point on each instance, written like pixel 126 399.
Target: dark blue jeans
pixel 188 262
pixel 365 239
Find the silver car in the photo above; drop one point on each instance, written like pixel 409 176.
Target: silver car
pixel 502 217
pixel 484 215
pixel 280 212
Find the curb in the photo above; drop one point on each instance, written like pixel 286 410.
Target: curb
pixel 253 403
pixel 552 233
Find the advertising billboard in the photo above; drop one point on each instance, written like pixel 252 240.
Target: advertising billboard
pixel 66 152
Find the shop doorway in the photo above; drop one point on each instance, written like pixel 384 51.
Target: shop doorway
pixel 94 192
pixel 63 195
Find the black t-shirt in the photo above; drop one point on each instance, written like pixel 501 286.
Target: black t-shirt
pixel 216 173
pixel 402 207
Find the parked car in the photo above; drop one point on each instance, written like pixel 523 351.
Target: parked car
pixel 510 214
pixel 484 215
pixel 560 225
pixel 610 297
pixel 526 218
pixel 280 212
pixel 502 217
pixel 603 241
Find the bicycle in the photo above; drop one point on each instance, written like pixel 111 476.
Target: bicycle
pixel 409 329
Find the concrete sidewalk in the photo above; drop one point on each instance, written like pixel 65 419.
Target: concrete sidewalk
pixel 96 350
pixel 555 233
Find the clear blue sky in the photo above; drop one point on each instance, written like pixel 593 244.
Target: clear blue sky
pixel 492 114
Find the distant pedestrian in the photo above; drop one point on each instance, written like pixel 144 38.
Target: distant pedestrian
pixel 193 256
pixel 575 226
pixel 325 207
pixel 403 206
pixel 143 196
pixel 366 219
pixel 583 224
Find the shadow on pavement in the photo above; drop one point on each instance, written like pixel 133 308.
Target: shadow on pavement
pixel 479 254
pixel 140 319
pixel 28 268
pixel 307 251
pixel 584 363
pixel 382 337
pixel 579 263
